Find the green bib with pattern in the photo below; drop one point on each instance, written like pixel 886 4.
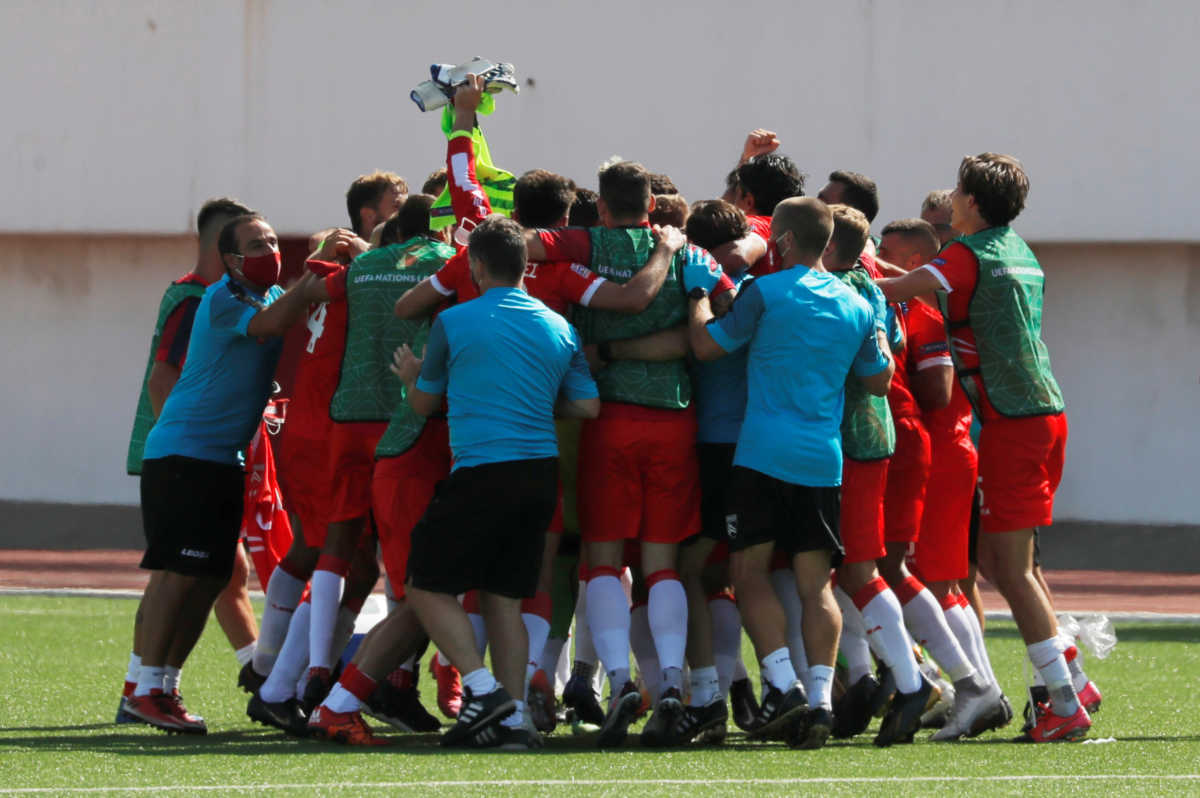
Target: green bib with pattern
pixel 367 390
pixel 143 420
pixel 867 429
pixel 1005 313
pixel 617 255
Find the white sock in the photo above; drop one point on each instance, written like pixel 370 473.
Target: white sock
pixel 960 627
pixel 149 679
pixel 517 718
pixel 538 630
pixel 1047 657
pixel 171 676
pixel 343 630
pixel 642 642
pixel 283 594
pixel 608 618
pixel 409 664
pixel 441 658
pixel 341 700
pixel 585 651
pixel 739 667
pixel 562 669
pixel 480 682
pixel 326 598
pixel 133 671
pixel 292 660
pixel 927 622
pixel 480 630
pixel 980 646
pixel 819 686
pixel 705 686
pixel 726 640
pixel 778 667
pixel 784 582
pixel 551 656
pixel 1079 679
pixel 668 615
pixel 246 653
pixel 853 642
pixel 884 622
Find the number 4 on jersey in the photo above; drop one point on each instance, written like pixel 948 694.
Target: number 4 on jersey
pixel 316 326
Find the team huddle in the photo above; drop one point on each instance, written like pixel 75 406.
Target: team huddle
pixel 654 423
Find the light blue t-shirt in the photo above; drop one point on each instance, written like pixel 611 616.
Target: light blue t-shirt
pixel 502 361
pixel 806 332
pixel 217 404
pixel 719 390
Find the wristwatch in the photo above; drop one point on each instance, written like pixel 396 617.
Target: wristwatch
pixel 697 293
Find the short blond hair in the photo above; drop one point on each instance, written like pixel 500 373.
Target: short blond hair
pixel 850 231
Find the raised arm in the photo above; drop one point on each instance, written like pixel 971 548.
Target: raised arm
pixel 469 200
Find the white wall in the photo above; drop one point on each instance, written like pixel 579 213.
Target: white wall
pixel 1122 322
pixel 130 114
pixel 76 315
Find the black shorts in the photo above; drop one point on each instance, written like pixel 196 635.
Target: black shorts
pixel 716 470
pixel 485 529
pixel 191 515
pixel 796 518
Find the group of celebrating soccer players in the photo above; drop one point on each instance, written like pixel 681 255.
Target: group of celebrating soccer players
pixel 662 423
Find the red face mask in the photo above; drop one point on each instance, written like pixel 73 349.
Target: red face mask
pixel 262 269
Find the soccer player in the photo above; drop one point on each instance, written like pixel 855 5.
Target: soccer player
pixel 853 189
pixel 373 199
pixel 868 442
pixel 505 363
pixel 168 350
pixel 714 625
pixel 991 288
pixel 763 179
pixel 925 382
pixel 192 478
pixel 806 332
pixel 935 209
pixel 638 478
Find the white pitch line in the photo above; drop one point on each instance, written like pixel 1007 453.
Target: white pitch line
pixel 389 785
pixel 994 615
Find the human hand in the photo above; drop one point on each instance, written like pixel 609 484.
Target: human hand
pixel 341 245
pixel 405 364
pixel 468 95
pixel 669 238
pixel 700 269
pixel 759 142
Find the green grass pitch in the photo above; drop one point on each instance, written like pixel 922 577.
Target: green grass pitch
pixel 62 661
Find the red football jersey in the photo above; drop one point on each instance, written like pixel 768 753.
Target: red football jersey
pixel 924 347
pixel 320 363
pixel 957 269
pixel 557 283
pixel 769 263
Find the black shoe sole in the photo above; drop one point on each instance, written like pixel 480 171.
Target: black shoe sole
pixel 657 731
pixel 794 721
pixel 258 712
pixel 616 726
pixel 460 734
pixel 902 721
pixel 815 736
